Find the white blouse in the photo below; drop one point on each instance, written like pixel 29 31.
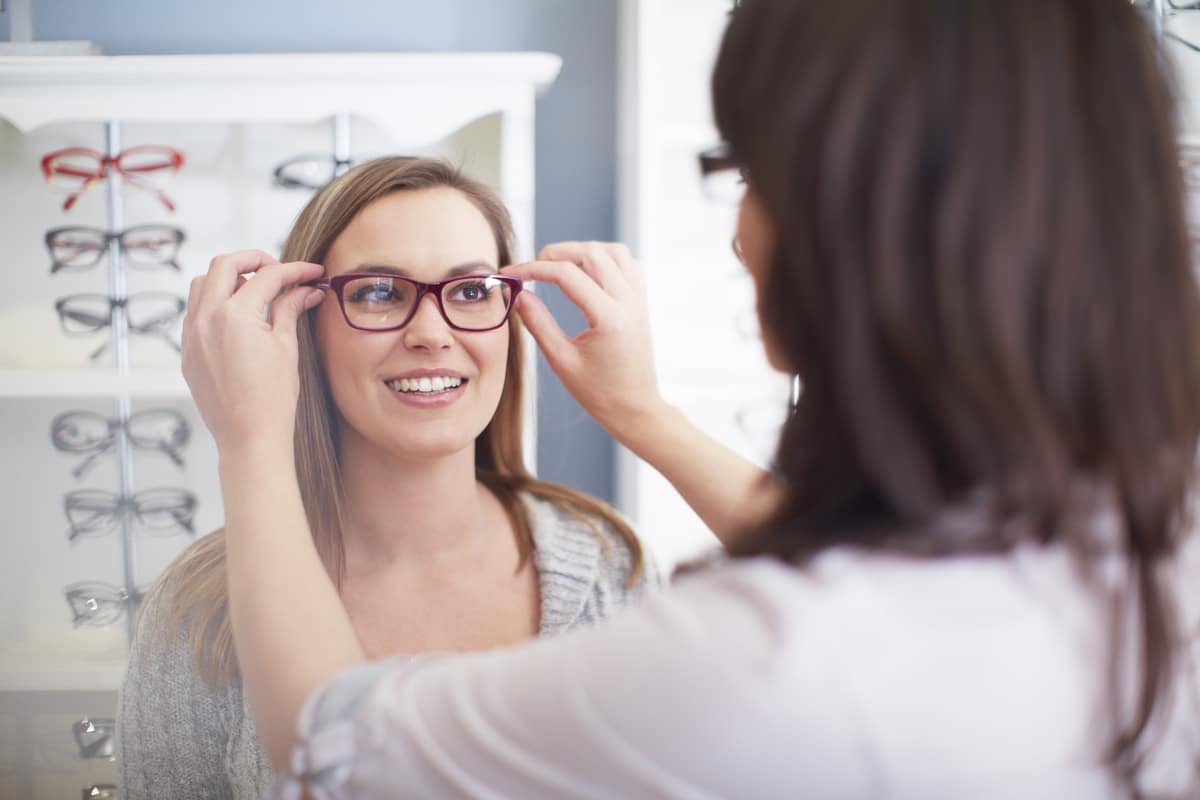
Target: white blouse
pixel 859 676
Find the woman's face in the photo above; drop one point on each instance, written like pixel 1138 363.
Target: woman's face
pixel 756 248
pixel 376 377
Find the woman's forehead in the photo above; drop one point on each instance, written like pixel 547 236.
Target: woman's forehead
pixel 423 234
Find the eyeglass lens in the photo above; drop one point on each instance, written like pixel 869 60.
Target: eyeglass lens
pixel 94 737
pixel 98 605
pixel 90 433
pixel 93 512
pixel 722 178
pixel 309 172
pixel 380 302
pixel 149 166
pixel 144 246
pixel 148 312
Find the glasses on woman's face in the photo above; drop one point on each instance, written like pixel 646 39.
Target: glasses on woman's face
pixel 95 512
pixel 145 246
pixel 373 301
pixel 86 432
pixel 75 169
pixel 310 171
pixel 98 605
pixel 147 313
pixel 722 176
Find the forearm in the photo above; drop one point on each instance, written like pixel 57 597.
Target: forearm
pixel 290 628
pixel 728 492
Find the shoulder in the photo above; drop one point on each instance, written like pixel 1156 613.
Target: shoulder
pixel 587 538
pixel 587 568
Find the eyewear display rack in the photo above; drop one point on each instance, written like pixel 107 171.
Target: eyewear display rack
pixel 235 117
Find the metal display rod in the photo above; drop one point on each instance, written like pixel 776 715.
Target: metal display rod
pixel 120 347
pixel 341 142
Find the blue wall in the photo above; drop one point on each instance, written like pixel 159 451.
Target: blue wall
pixel 576 123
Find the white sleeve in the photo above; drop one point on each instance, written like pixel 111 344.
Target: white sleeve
pixel 697 692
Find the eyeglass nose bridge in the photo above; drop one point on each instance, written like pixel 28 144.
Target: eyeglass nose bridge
pixel 434 291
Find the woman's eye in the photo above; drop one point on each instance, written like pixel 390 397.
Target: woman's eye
pixel 470 292
pixel 382 292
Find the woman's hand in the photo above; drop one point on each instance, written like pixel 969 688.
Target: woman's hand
pixel 609 370
pixel 609 367
pixel 239 347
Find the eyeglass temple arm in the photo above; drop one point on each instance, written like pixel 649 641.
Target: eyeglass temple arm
pixel 1190 45
pixel 172 453
pixel 86 464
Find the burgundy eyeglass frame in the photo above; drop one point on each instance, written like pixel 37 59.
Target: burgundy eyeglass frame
pixel 337 282
pixel 174 160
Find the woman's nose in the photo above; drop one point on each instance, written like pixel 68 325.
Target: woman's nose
pixel 428 329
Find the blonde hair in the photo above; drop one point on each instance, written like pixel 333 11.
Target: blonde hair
pixel 193 587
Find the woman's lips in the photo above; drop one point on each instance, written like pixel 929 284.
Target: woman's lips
pixel 432 398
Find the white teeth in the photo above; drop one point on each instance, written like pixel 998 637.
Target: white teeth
pixel 439 383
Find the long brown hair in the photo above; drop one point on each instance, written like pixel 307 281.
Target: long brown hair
pixel 195 582
pixel 982 276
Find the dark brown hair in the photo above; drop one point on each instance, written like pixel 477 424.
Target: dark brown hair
pixel 982 276
pixel 196 583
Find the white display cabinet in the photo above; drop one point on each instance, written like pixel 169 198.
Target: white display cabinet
pixel 234 118
pixel 710 361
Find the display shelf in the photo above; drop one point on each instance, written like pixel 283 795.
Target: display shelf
pixel 159 382
pixel 450 89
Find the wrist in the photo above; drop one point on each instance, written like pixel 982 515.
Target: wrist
pixel 251 461
pixel 645 426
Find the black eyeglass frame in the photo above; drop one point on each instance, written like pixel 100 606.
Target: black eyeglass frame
pixel 717 159
pixel 281 178
pixel 336 283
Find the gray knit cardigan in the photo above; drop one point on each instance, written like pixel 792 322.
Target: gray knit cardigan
pixel 178 739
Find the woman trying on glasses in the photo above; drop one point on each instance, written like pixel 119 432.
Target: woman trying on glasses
pixel 398 440
pixel 976 575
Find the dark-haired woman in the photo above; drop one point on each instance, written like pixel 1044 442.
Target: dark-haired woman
pixel 971 574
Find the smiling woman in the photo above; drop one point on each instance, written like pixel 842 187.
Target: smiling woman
pixel 407 460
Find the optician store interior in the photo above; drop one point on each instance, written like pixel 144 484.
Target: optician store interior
pixel 585 116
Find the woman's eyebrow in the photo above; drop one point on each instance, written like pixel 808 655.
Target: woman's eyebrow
pixel 469 268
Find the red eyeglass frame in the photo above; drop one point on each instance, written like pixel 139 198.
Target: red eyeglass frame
pixel 173 160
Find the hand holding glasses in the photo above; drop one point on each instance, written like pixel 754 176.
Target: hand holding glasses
pixel 380 301
pixel 144 246
pixel 89 433
pixel 75 169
